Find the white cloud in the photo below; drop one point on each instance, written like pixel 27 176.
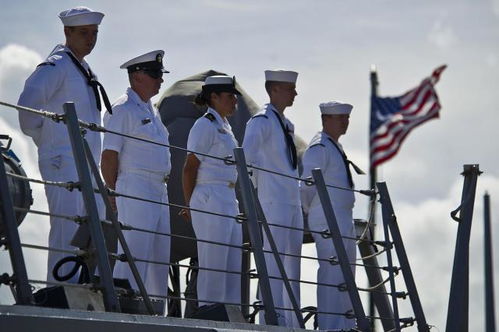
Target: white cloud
pixel 442 35
pixel 491 59
pixel 16 63
pixel 430 235
pixel 34 229
pixel 232 5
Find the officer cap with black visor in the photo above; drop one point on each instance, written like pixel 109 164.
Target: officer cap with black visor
pixel 150 63
pixel 220 83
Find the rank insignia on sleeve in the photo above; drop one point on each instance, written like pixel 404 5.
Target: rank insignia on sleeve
pixel 210 117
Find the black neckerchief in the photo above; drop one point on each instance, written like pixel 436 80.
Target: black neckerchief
pixel 347 163
pixel 94 84
pixel 289 142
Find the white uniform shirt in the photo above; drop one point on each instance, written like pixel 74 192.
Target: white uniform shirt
pixel 321 153
pixel 265 146
pixel 134 117
pixel 211 134
pixel 54 82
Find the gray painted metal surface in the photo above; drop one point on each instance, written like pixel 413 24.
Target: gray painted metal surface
pixel 388 214
pixel 256 238
pixel 379 297
pixel 13 243
pixel 28 319
pixel 490 321
pixel 106 276
pixel 458 314
pixel 117 229
pixel 390 218
pixel 277 257
pixel 362 322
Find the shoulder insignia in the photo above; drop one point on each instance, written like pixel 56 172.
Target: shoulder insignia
pixel 46 63
pixel 210 117
pixel 260 115
pixel 316 144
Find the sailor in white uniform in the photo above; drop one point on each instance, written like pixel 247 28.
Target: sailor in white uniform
pixel 269 143
pixel 64 76
pixel 326 153
pixel 209 185
pixel 140 169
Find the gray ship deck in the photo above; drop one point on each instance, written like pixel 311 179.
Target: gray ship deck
pixel 28 319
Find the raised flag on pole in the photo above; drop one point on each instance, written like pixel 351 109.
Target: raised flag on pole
pixel 393 118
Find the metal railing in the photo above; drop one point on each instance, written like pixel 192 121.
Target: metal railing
pixel 254 218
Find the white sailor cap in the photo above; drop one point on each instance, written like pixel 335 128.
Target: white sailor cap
pixel 335 107
pixel 80 16
pixel 220 83
pixel 281 76
pixel 151 61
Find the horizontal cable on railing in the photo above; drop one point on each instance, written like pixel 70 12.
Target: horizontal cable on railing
pixel 117 194
pixel 79 220
pixel 228 159
pixel 65 284
pixel 243 247
pixel 101 129
pixel 75 252
pixel 50 115
pixel 76 219
pixel 67 185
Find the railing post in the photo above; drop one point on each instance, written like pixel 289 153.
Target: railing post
pixel 362 321
pixel 379 297
pixel 389 215
pixel 106 278
pixel 117 229
pixel 490 320
pixel 280 266
pixel 255 236
pixel 13 243
pixel 458 312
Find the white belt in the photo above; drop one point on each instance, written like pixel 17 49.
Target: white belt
pixel 229 184
pixel 155 176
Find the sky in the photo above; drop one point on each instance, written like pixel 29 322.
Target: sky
pixel 332 44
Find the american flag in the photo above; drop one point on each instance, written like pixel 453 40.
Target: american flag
pixel 393 118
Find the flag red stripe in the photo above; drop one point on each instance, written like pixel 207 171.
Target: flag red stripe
pixel 408 126
pixel 395 122
pixel 417 106
pixel 378 158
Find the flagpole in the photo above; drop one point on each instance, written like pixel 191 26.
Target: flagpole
pixel 490 324
pixel 372 182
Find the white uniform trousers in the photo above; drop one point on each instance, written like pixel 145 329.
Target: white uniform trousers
pixel 63 202
pixel 290 242
pixel 150 216
pixel 217 286
pixel 331 299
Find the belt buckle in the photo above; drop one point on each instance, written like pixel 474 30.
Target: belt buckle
pixel 231 185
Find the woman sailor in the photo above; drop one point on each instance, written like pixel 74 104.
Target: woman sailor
pixel 208 185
